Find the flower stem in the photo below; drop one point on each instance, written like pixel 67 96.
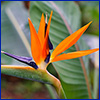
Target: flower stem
pixel 51 92
pixel 57 85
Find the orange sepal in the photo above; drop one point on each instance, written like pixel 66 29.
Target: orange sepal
pixel 48 27
pixel 41 31
pixel 74 55
pixel 69 41
pixel 35 44
pixel 45 50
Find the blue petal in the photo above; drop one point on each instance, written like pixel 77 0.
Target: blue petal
pixel 33 64
pixel 45 28
pixel 47 58
pixel 49 42
pixel 26 60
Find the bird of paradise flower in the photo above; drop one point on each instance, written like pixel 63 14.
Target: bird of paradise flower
pixel 41 46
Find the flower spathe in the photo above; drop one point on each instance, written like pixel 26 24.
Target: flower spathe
pixel 41 46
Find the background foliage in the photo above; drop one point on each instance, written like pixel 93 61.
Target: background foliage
pixel 70 71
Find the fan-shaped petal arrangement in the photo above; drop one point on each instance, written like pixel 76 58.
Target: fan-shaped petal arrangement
pixel 41 46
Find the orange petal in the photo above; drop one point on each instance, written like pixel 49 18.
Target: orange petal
pixel 74 55
pixel 69 41
pixel 41 31
pixel 35 44
pixel 45 50
pixel 48 27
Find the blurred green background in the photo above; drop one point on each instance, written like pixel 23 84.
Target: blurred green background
pixel 12 87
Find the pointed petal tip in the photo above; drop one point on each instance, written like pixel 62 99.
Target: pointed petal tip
pixel 28 18
pixel 97 49
pixel 42 14
pixel 51 11
pixel 94 50
pixel 89 23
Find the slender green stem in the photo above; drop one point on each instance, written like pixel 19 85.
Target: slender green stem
pixel 57 85
pixel 51 92
pixel 53 80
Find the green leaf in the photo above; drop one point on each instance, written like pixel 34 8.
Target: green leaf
pixel 14 30
pixel 70 71
pixel 11 41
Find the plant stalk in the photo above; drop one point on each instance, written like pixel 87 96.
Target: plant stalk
pixel 57 85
